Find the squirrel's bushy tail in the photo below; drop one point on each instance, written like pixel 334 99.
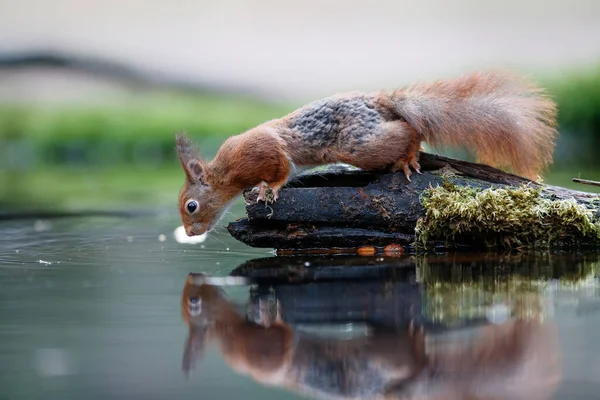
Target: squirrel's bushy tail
pixel 508 122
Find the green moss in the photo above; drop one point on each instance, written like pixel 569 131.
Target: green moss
pixel 503 217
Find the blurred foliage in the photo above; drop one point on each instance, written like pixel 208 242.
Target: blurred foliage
pixel 141 130
pixel 578 99
pixel 70 188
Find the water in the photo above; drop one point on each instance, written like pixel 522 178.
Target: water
pixel 95 308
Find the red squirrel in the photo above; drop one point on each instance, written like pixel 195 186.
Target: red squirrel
pixel 507 121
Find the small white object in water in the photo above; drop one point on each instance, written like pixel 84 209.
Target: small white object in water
pixel 45 262
pixel 182 237
pixel 162 237
pixel 41 226
pixel 307 264
pixel 130 239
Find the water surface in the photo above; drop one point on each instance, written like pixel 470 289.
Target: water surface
pixel 95 308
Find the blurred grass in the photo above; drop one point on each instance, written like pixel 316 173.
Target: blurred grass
pixel 577 95
pixel 67 188
pixel 116 131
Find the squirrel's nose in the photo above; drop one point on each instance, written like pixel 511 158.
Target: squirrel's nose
pixel 195 230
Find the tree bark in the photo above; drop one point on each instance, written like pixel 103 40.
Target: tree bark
pixel 343 208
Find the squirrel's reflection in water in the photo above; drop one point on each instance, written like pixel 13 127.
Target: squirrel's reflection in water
pixel 517 359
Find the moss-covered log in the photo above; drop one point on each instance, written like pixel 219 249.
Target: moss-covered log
pixel 452 205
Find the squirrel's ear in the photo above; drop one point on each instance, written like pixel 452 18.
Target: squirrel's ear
pixel 195 171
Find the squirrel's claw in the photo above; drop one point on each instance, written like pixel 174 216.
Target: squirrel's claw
pixel 405 166
pixel 416 166
pixel 407 172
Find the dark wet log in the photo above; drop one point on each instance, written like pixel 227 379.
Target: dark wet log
pixel 351 208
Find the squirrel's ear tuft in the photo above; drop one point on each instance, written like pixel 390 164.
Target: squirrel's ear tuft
pixel 189 157
pixel 186 149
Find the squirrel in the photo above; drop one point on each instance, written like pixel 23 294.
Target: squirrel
pixel 506 120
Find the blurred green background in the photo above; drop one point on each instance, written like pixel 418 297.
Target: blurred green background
pixel 90 98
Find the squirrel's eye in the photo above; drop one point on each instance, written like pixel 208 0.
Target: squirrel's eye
pixel 192 206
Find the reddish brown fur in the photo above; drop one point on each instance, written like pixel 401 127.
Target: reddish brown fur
pixel 509 122
pixel 245 161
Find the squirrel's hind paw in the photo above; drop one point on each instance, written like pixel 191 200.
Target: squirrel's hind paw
pixel 266 192
pixel 405 166
pixel 402 166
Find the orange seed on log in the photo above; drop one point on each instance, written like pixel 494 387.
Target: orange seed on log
pixel 366 251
